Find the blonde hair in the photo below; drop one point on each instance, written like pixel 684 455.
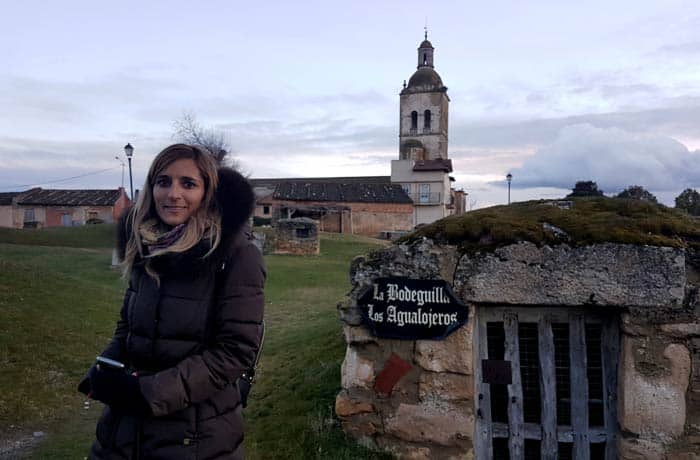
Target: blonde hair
pixel 204 223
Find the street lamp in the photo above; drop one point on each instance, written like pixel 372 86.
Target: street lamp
pixel 129 151
pixel 509 178
pixel 123 166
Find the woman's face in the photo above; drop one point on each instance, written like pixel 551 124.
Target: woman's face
pixel 178 191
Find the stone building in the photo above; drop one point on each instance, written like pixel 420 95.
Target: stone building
pixel 578 344
pixel 38 208
pixel 358 208
pixel 423 168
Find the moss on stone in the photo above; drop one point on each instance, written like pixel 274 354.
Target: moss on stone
pixel 590 220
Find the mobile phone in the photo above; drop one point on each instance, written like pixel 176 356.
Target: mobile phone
pixel 109 364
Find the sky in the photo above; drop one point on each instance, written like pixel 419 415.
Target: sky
pixel 550 91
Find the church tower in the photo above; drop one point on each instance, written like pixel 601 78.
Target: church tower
pixel 424 111
pixel 423 168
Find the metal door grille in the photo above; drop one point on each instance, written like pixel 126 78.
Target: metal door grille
pixel 561 401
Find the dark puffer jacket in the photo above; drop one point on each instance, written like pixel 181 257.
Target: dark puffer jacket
pixel 190 339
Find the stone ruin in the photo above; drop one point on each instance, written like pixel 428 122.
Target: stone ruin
pixel 298 236
pixel 438 408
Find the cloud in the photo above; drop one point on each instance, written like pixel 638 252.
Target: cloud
pixel 681 49
pixel 314 137
pixel 676 119
pixel 612 157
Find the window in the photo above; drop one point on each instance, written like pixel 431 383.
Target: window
pixel 560 391
pixel 424 193
pixel 29 215
pixel 406 188
pixel 425 58
pixel 414 122
pixel 266 210
pixel 426 120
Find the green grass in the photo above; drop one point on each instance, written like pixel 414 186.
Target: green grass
pixel 591 220
pixel 88 236
pixel 59 306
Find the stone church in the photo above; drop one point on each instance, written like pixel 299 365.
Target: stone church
pixel 418 191
pixel 423 168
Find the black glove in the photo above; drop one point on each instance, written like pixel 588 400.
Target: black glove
pixel 119 390
pixel 85 387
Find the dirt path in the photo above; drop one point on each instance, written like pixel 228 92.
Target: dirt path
pixel 20 446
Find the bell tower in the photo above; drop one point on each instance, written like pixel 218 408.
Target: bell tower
pixel 424 107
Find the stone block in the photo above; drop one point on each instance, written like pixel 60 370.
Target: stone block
pixel 640 449
pixel 631 325
pixel 358 335
pixel 445 386
pixel 688 455
pixel 468 455
pixel 394 368
pixel 600 274
pixel 356 371
pixel 362 425
pixel 416 453
pixel 442 424
pixel 454 354
pixel 349 312
pixel 653 404
pixel 681 330
pixel 346 406
pixel 402 450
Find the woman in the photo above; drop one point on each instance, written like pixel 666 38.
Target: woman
pixel 191 321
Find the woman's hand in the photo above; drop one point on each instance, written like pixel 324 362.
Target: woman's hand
pixel 119 390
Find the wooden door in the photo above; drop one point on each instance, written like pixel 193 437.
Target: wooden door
pixel 546 384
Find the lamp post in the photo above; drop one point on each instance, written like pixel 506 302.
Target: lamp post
pixel 123 166
pixel 129 151
pixel 509 178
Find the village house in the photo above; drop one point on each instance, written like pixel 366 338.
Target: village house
pixel 265 188
pixel 39 208
pixel 357 208
pixel 6 215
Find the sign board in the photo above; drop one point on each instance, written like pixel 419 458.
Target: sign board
pixel 411 309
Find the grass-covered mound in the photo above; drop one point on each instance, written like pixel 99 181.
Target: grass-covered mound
pixel 590 220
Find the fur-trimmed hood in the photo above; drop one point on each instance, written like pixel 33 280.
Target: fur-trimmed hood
pixel 235 199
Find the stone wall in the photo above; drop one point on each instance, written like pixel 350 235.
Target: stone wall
pixel 430 412
pixel 296 236
pixel 368 219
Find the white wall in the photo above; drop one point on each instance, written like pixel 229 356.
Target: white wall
pixel 6 216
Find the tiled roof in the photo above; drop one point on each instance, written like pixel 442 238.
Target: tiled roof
pixel 341 192
pixel 341 180
pixel 6 198
pixel 41 197
pixel 439 164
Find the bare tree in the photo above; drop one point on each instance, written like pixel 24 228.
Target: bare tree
pixel 189 131
pixel 472 202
